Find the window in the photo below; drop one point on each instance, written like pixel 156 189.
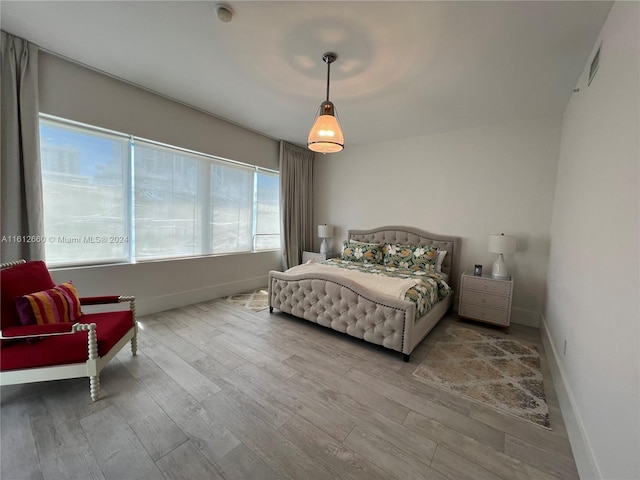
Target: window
pixel 267 228
pixel 84 175
pixel 109 197
pixel 231 208
pixel 167 210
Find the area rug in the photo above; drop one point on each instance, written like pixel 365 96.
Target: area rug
pixel 257 300
pixel 501 372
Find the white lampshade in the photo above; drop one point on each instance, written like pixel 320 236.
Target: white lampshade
pixel 503 245
pixel 325 231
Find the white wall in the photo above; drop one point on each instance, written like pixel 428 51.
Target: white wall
pixel 467 183
pixel 71 91
pixel 593 285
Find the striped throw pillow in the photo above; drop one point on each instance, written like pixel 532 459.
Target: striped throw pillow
pixel 57 305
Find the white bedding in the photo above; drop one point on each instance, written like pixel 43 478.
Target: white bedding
pixel 395 287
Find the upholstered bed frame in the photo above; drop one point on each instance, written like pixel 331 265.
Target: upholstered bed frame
pixel 348 307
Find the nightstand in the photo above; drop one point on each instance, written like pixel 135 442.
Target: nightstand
pixel 317 257
pixel 486 299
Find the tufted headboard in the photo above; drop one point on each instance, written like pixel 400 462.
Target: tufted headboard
pixel 414 236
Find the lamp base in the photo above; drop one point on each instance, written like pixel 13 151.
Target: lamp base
pixel 324 247
pixel 499 269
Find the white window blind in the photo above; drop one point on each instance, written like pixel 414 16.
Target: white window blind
pixel 109 198
pixel 85 194
pixel 231 207
pixel 167 207
pixel 267 226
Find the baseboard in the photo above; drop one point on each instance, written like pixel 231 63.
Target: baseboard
pixel 147 306
pixel 582 452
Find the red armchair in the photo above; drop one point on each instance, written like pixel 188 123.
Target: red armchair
pixel 54 351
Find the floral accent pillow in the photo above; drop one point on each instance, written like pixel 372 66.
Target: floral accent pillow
pixel 410 257
pixel 362 252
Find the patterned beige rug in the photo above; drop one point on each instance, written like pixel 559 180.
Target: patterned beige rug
pixel 257 300
pixel 501 372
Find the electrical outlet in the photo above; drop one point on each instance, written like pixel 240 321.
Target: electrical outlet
pixel 564 348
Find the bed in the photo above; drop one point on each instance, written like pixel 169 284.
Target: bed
pixel 325 295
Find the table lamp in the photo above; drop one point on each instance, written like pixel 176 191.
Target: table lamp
pixel 503 245
pixel 325 231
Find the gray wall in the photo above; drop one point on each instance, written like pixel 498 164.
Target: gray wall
pixel 593 286
pixel 71 91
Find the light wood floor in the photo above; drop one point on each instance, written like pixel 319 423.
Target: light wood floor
pixel 218 391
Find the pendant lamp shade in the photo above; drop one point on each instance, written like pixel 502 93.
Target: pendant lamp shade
pixel 326 135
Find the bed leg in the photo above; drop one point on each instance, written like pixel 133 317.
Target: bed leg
pixel 406 357
pixel 270 309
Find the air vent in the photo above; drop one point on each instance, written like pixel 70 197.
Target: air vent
pixel 595 63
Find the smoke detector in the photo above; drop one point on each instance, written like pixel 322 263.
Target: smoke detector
pixel 224 12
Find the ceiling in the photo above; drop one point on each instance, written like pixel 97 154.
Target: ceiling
pixel 404 69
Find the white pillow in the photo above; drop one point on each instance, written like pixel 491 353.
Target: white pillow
pixel 441 255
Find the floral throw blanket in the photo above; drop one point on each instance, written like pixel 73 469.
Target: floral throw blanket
pixel 430 289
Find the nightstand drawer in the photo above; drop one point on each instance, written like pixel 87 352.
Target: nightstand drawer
pixel 484 313
pixel 482 299
pixel 485 285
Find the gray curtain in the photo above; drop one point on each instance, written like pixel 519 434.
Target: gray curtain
pixel 296 202
pixel 20 175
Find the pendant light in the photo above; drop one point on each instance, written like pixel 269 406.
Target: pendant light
pixel 326 135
